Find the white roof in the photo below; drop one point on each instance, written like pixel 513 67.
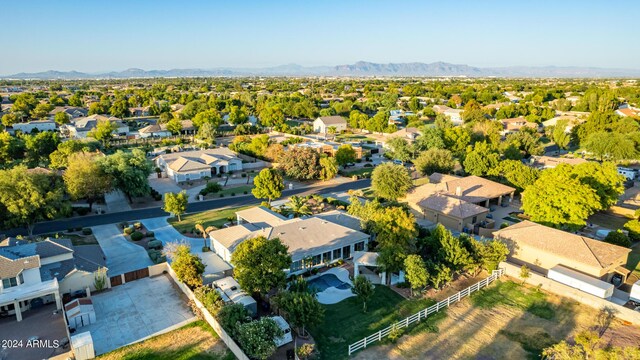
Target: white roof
pixel 81 339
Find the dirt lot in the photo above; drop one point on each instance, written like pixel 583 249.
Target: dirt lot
pixel 194 341
pixel 503 332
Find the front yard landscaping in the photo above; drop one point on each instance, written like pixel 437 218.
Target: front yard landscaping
pixel 195 341
pixel 345 323
pixel 216 217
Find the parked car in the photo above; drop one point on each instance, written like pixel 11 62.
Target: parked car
pixel 398 162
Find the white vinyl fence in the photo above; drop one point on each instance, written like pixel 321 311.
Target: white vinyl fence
pixel 362 344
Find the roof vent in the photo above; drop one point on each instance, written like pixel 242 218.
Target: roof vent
pixel 459 191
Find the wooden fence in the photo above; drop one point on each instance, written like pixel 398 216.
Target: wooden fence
pixel 423 314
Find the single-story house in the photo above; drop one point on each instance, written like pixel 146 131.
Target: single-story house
pixel 187 127
pixel 40 125
pixel 312 241
pixel 455 115
pixel 628 111
pixel 516 124
pixel 154 130
pixel 44 270
pixel 73 112
pixel 81 127
pixel 541 248
pixel 409 134
pixel 323 123
pixel 328 148
pixel 193 165
pixel 458 203
pixel 139 111
pixel 549 162
pixel 570 120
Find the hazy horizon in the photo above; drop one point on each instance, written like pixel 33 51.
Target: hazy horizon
pixel 96 37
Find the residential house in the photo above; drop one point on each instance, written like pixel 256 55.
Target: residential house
pixel 455 115
pixel 72 111
pixel 39 125
pixel 139 111
pixel 570 120
pixel 541 248
pixel 80 128
pixel 628 111
pixel 38 272
pixel 328 148
pixel 312 241
pixel 154 131
pixel 187 127
pixel 409 134
pixel 549 162
pixel 193 165
pixel 515 124
pixel 460 204
pixel 323 123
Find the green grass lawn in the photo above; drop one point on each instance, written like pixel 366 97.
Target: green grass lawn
pixel 195 341
pixel 360 172
pixel 215 217
pixel 633 262
pixel 608 220
pixel 512 294
pixel 238 190
pixel 353 137
pixel 345 323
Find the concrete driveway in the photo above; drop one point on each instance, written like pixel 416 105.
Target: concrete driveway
pixel 116 201
pixel 163 185
pixel 122 255
pixel 215 266
pixel 136 310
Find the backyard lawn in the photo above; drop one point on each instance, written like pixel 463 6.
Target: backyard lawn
pixel 360 172
pixel 608 220
pixel 215 217
pixel 633 262
pixel 196 341
pixel 345 323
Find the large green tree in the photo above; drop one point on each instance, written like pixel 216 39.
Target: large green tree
pixel 364 289
pixel 176 203
pixel 259 264
pixel 188 267
pixel 85 179
pixel 345 155
pixel 328 168
pixel 435 160
pixel 302 309
pixel 481 160
pixel 268 185
pixel 257 338
pixel 559 199
pixel 28 197
pixel 390 181
pixel 129 171
pixel 300 163
pixel 416 272
pixel 103 131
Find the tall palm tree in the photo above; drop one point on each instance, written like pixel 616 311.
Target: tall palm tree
pixel 205 232
pixel 298 206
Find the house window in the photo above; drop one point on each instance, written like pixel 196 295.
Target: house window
pixel 316 260
pixel 474 220
pixel 346 252
pixel 10 282
pixel 359 246
pixel 326 257
pixel 337 254
pixel 296 265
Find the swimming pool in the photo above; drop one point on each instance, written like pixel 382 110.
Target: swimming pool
pixel 323 282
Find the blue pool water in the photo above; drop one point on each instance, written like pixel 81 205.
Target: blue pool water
pixel 326 281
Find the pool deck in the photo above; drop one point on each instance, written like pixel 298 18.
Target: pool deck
pixel 333 295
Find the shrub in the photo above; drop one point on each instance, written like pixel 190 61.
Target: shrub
pixel 78 229
pixel 368 165
pixel 70 230
pixel 123 225
pixel 155 244
pixel 137 225
pixel 244 175
pixel 128 230
pixel 149 234
pixel 618 238
pixel 87 231
pixel 205 249
pixel 314 271
pixel 137 236
pixel 633 227
pixel 246 192
pixel 157 197
pixel 221 195
pixel 233 194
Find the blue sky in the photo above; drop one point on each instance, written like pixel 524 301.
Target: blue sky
pixel 106 35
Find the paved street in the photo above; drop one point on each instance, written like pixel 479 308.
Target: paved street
pixel 112 218
pixel 122 255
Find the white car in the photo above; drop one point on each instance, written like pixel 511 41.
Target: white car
pixel 286 338
pixel 398 162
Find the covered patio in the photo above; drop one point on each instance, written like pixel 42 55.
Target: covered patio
pixel 18 296
pixel 365 264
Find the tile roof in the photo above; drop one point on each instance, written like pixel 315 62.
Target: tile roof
pixel 332 120
pixel 560 243
pixel 476 189
pixel 261 217
pixel 451 206
pixel 11 267
pixel 182 164
pixel 198 159
pixel 149 129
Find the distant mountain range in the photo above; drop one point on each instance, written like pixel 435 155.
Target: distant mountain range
pixel 359 69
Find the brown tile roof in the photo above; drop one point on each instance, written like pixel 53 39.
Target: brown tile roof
pixel 476 189
pixel 183 164
pixel 560 243
pixel 12 267
pixel 627 112
pixel 451 206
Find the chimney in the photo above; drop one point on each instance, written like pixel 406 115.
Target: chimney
pixel 458 191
